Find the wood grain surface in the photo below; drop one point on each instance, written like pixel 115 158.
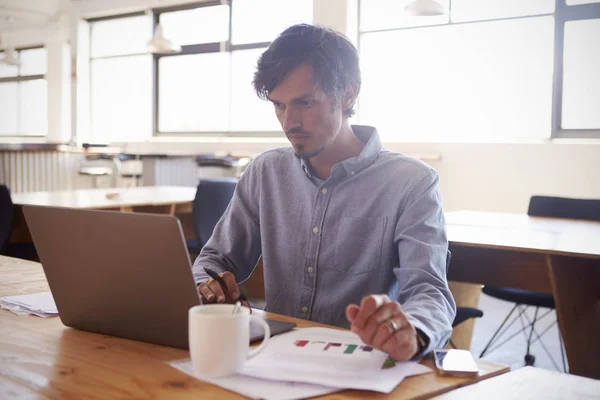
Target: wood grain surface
pixel 42 359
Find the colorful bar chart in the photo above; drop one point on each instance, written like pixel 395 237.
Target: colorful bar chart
pixel 348 348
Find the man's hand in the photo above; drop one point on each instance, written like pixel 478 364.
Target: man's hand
pixel 380 323
pixel 211 291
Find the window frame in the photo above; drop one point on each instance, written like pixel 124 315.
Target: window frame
pixel 204 48
pixel 24 78
pixel 562 14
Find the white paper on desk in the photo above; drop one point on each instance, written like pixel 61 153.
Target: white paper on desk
pixel 40 304
pixel 257 388
pixel 328 357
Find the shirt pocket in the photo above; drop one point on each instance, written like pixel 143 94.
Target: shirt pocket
pixel 358 244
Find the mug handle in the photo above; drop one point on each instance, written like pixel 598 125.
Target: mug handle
pixel 261 321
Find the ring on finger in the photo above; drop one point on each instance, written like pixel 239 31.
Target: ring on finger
pixel 393 325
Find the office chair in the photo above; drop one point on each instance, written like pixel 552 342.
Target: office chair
pixel 6 217
pixel 135 175
pixel 24 250
pixel 211 166
pixel 212 198
pixel 98 165
pixel 462 313
pixel 539 206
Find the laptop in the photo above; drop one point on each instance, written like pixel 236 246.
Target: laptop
pixel 120 274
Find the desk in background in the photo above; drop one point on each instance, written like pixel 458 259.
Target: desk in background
pixel 550 255
pixel 40 357
pixel 173 200
pixel 529 383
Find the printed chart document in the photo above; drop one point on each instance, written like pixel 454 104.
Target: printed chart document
pixel 331 358
pixel 272 387
pixel 40 304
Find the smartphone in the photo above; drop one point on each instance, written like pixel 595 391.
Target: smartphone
pixel 453 362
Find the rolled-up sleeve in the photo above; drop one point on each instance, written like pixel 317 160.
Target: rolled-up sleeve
pixel 420 235
pixel 235 243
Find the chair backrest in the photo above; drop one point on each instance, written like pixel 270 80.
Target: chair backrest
pixel 562 207
pixel 212 198
pixel 6 216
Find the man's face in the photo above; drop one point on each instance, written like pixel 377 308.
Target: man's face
pixel 310 119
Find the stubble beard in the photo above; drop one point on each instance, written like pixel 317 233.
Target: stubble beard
pixel 300 152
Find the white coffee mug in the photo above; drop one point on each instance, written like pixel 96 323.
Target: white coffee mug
pixel 220 340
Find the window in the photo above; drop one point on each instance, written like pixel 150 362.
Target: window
pixel 577 96
pixel 255 21
pixel 121 79
pixel 207 88
pixel 487 72
pixel 23 95
pixel 194 93
pixel 581 82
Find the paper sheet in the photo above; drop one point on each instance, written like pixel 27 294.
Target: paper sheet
pixel 328 357
pixel 257 388
pixel 40 304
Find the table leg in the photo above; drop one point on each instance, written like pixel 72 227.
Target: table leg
pixel 576 288
pixel 465 295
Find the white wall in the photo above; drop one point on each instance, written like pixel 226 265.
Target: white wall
pixel 502 177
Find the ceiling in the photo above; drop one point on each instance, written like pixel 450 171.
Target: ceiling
pixel 28 13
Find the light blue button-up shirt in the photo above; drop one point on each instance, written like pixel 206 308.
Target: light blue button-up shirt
pixel 374 226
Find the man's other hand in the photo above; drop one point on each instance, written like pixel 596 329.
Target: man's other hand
pixel 211 291
pixel 380 323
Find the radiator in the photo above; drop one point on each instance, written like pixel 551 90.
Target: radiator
pixel 173 171
pixel 32 171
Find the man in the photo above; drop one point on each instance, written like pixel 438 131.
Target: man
pixel 350 234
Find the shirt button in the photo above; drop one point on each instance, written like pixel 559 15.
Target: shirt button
pixel 310 270
pixel 352 173
pixel 316 229
pixel 324 191
pixel 304 309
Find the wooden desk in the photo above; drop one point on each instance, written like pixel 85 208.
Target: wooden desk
pixel 529 383
pixel 41 358
pixel 173 198
pixel 550 255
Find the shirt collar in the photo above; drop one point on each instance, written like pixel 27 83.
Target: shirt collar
pixel 353 165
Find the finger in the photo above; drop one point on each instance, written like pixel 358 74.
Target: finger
pixel 206 293
pixel 402 345
pixel 377 322
pixel 232 287
pixel 246 304
pixel 217 290
pixel 368 306
pixel 385 331
pixel 352 312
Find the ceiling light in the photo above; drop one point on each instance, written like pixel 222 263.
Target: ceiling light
pixel 161 45
pixel 9 57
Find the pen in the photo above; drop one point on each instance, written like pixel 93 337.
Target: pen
pixel 221 281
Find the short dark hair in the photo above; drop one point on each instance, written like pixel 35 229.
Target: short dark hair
pixel 333 57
